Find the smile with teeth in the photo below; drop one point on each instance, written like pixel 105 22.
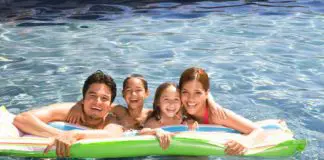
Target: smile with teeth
pixel 191 105
pixel 96 108
pixel 133 100
pixel 171 110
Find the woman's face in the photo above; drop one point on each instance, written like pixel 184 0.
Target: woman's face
pixel 134 93
pixel 170 102
pixel 193 97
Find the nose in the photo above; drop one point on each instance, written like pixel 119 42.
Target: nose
pixel 98 100
pixel 191 97
pixel 173 102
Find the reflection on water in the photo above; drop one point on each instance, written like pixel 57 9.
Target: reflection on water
pixel 264 57
pixel 43 10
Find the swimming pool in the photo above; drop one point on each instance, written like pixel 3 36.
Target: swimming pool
pixel 265 58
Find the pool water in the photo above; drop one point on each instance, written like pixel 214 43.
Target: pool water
pixel 265 57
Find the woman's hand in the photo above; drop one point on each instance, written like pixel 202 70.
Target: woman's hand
pixel 217 111
pixel 234 148
pixel 63 143
pixel 192 126
pixel 76 115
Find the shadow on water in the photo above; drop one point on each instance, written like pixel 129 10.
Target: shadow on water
pixel 48 12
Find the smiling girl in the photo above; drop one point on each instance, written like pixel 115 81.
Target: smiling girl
pixel 166 107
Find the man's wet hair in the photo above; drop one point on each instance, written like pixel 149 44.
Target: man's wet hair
pixel 100 77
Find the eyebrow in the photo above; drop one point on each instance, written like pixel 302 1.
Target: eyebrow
pixel 135 87
pixel 92 92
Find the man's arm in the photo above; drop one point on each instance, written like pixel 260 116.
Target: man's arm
pixel 35 121
pixel 110 131
pixel 64 141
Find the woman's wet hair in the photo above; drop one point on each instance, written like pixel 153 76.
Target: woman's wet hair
pixel 194 73
pixel 156 103
pixel 100 77
pixel 138 76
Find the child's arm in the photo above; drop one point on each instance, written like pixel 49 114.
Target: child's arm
pixel 164 137
pixel 76 115
pixel 152 123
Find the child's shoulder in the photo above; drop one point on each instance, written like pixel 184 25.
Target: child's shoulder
pixel 147 111
pixel 117 108
pixel 152 122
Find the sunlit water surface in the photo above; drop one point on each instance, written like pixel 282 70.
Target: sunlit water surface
pixel 265 58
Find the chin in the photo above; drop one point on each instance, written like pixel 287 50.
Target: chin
pixel 191 112
pixel 171 115
pixel 95 117
pixel 134 106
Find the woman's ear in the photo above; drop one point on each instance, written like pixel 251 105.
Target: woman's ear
pixel 147 93
pixel 123 93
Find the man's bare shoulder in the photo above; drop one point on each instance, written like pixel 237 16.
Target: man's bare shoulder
pixel 57 111
pixel 63 104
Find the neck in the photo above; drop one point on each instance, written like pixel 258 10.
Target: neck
pixel 165 120
pixel 95 123
pixel 199 116
pixel 135 113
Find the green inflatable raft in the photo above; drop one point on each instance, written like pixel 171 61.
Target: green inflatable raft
pixel 207 141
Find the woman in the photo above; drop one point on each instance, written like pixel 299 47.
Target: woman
pixel 198 102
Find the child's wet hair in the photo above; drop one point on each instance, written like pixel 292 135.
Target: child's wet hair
pixel 138 76
pixel 156 107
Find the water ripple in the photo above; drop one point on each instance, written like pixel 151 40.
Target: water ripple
pixel 263 57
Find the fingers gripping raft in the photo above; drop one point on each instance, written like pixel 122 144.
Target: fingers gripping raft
pixel 209 140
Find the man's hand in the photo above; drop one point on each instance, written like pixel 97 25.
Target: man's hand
pixel 63 143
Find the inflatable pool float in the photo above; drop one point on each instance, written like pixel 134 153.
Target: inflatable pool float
pixel 208 140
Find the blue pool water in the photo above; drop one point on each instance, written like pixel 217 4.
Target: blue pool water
pixel 265 57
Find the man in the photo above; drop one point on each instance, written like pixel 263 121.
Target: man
pixel 99 91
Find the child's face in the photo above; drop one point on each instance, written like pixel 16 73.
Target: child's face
pixel 170 102
pixel 134 93
pixel 193 97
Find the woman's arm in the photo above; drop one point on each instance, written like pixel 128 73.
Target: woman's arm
pixel 253 132
pixel 217 111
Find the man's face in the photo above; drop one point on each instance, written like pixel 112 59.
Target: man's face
pixel 97 101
